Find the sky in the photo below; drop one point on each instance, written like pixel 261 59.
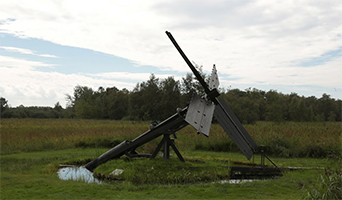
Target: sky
pixel 49 47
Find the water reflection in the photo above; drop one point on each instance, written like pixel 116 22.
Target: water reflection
pixel 237 181
pixel 82 174
pixel 77 174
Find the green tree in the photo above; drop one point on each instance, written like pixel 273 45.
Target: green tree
pixel 293 113
pixel 187 88
pixel 258 98
pixel 170 97
pixel 190 86
pixel 338 106
pixel 3 105
pixel 83 102
pixel 311 102
pixel 117 103
pixel 245 104
pixel 58 107
pixel 58 111
pixel 303 109
pixel 145 100
pixel 157 99
pixel 100 103
pixel 276 106
pixel 326 107
pixel 84 109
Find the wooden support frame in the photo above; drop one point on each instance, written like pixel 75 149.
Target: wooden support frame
pixel 167 142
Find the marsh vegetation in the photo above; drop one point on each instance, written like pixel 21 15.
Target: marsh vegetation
pixel 33 149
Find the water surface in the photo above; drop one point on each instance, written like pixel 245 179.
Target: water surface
pixel 77 174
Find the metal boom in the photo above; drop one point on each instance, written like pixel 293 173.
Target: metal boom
pixel 199 114
pixel 223 113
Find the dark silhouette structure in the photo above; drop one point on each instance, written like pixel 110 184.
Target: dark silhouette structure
pixel 198 114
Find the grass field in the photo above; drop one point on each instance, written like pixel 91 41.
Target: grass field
pixel 32 149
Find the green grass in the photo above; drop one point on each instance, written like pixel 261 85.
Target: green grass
pixel 32 149
pixel 156 171
pixel 33 176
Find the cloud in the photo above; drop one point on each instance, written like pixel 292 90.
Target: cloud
pixel 48 55
pixel 26 51
pixel 251 42
pixel 44 88
pixel 220 31
pixel 21 83
pixel 131 77
pixel 21 64
pixel 20 50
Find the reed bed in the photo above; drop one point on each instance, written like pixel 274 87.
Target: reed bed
pixel 288 139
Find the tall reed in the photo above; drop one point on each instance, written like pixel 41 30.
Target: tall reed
pixel 289 139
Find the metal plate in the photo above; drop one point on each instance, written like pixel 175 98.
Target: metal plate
pixel 234 129
pixel 214 81
pixel 200 114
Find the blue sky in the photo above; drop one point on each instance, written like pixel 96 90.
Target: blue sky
pixel 49 47
pixel 67 59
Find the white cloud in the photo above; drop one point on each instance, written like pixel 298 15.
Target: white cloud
pixel 255 42
pixel 45 88
pixel 131 77
pixel 20 83
pixel 21 64
pixel 20 50
pixel 248 30
pixel 26 51
pixel 48 55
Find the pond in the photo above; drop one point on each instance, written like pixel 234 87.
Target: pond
pixel 237 181
pixel 77 174
pixel 82 174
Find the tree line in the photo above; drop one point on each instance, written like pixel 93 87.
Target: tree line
pixel 157 99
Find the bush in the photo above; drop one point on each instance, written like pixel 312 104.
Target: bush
pixel 223 146
pixel 329 187
pixel 98 143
